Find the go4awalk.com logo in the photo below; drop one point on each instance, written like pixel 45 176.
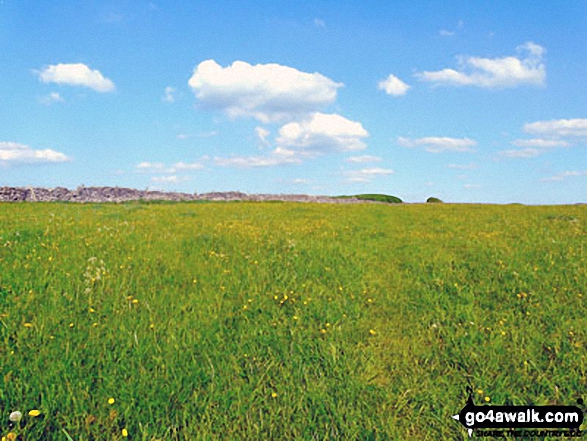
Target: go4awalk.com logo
pixel 521 421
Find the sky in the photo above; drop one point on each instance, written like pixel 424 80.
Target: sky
pixel 464 101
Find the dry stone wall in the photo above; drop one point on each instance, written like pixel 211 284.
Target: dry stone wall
pixel 119 194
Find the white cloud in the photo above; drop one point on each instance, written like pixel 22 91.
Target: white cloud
pixel 160 167
pixel 169 96
pixel 16 153
pixel 470 166
pixel 366 174
pixel 199 135
pixel 267 92
pixel 393 86
pixel 363 159
pixel 151 166
pixel 277 158
pixel 322 133
pixel 439 144
pixel 167 179
pixel 562 176
pixel 319 23
pixel 445 33
pixel 76 75
pixel 558 127
pixel 512 71
pixel 521 153
pixel 51 98
pixel 262 134
pixel 540 143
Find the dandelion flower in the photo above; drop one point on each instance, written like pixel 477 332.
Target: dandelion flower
pixel 372 332
pixel 28 325
pixel 110 400
pixel 124 433
pixel 15 416
pixel 487 399
pixel 273 395
pixel 34 413
pixel 11 436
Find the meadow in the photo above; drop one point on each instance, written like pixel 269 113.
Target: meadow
pixel 285 321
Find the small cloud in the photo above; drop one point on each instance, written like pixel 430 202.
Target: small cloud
pixel 160 167
pixel 393 86
pixel 199 135
pixel 564 175
pixel 540 143
pixel 559 127
pixel 76 75
pixel 167 179
pixel 439 144
pixel 277 157
pixel 319 23
pixel 521 153
pixel 366 174
pixel 51 98
pixel 322 133
pixel 511 71
pixel 262 134
pixel 16 153
pixel 363 159
pixel 445 33
pixel 169 96
pixel 470 166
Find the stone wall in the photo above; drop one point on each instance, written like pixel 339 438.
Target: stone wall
pixel 119 194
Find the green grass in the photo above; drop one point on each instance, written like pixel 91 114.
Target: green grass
pixel 285 321
pixel 376 197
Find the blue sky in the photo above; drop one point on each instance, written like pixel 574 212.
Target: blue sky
pixel 465 101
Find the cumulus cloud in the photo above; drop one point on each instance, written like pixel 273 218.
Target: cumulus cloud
pixel 363 159
pixel 322 133
pixel 564 175
pixel 558 127
pixel 16 153
pixel 366 174
pixel 525 68
pixel 439 144
pixel 267 92
pixel 76 75
pixel 393 86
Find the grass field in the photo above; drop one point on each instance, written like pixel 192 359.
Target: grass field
pixel 279 321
